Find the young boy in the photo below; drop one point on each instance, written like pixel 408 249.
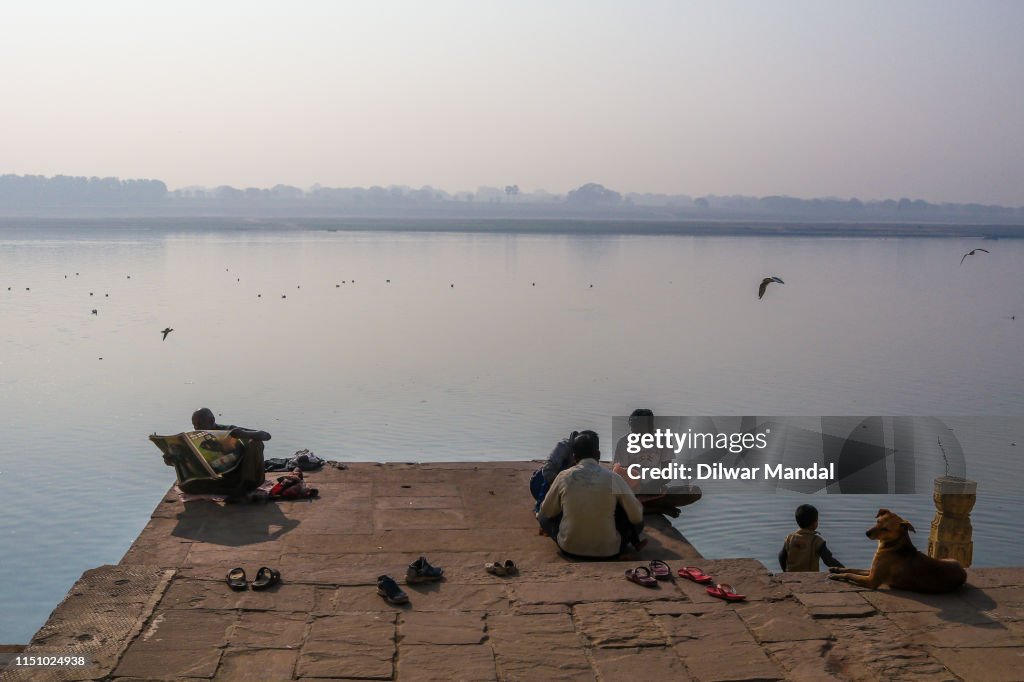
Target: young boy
pixel 803 548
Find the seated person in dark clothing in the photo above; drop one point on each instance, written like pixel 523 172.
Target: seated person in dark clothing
pixel 589 511
pixel 657 497
pixel 203 420
pixel 242 464
pixel 558 461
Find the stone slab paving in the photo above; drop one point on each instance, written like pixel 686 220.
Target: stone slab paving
pixel 165 613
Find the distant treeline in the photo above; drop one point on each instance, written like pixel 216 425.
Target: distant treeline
pixel 38 192
pixel 64 196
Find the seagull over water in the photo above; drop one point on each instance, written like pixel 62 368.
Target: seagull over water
pixel 764 285
pixel 971 253
pixel 165 332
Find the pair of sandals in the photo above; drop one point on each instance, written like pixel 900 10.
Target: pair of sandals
pixel 649 575
pixel 498 568
pixel 265 578
pixel 721 590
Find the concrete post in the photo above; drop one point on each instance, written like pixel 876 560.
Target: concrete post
pixel 951 536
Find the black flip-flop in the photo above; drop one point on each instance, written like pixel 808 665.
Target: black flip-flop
pixel 265 577
pixel 236 579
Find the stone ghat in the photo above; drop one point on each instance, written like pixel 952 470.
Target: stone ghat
pixel 165 613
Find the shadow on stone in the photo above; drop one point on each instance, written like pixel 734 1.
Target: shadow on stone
pixel 235 526
pixel 968 605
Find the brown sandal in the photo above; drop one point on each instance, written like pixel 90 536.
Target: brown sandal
pixel 641 575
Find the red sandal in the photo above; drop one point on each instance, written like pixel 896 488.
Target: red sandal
pixel 696 575
pixel 724 591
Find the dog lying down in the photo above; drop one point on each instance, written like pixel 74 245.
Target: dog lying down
pixel 899 564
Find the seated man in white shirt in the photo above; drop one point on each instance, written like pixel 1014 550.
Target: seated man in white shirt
pixel 589 511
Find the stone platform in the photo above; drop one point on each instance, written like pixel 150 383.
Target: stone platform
pixel 165 613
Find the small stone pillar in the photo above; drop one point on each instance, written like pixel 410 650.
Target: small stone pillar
pixel 951 534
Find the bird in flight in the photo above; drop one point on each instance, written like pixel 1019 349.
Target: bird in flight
pixel 94 312
pixel 764 285
pixel 165 332
pixel 971 253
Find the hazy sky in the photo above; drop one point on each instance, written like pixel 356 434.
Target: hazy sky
pixel 867 99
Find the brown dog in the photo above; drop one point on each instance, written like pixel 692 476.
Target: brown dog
pixel 899 564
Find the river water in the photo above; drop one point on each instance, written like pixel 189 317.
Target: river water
pixel 481 347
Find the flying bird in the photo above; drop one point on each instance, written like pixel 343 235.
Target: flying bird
pixel 94 312
pixel 165 332
pixel 764 285
pixel 971 253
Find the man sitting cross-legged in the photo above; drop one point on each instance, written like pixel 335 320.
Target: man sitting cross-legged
pixel 656 496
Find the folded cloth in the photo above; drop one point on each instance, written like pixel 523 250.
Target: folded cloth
pixel 305 460
pixel 292 486
pixel 276 464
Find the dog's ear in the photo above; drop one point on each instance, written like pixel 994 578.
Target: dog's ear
pixel 908 526
pixel 882 512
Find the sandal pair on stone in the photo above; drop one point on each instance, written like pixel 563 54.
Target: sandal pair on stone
pixel 648 576
pixel 508 567
pixel 720 590
pixel 265 578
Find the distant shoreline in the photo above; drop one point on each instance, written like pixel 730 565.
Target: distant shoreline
pixel 555 226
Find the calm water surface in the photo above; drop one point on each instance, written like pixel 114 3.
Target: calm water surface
pixel 492 368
